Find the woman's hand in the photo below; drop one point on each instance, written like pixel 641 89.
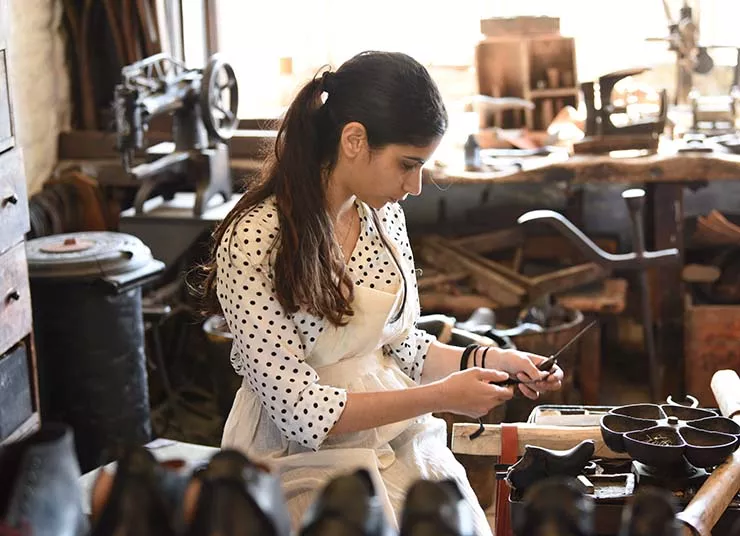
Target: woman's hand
pixel 469 392
pixel 523 366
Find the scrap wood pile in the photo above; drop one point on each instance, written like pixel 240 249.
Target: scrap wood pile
pixel 502 269
pixel 713 267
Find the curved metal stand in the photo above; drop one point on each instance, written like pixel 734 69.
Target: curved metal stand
pixel 639 260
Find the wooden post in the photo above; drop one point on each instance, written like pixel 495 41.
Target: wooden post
pixel 665 230
pixel 715 495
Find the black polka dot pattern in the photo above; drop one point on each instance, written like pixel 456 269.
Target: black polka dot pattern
pixel 270 346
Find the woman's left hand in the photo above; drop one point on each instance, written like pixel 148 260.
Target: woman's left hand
pixel 523 366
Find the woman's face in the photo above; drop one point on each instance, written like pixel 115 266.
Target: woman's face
pixel 389 174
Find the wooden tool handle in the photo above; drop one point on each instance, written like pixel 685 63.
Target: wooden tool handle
pixel 549 437
pixel 712 499
pixel 726 388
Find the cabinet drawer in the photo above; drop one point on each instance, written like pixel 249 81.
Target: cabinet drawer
pixel 13 201
pixel 15 391
pixel 15 297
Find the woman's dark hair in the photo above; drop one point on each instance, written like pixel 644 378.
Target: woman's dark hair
pixel 397 102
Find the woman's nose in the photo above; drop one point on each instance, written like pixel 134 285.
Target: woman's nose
pixel 413 184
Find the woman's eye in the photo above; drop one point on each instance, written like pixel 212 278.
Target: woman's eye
pixel 407 166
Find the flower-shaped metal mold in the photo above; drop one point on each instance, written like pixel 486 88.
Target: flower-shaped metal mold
pixel 661 435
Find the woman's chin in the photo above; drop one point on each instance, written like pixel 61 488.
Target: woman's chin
pixel 378 204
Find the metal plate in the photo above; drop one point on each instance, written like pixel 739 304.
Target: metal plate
pixel 88 254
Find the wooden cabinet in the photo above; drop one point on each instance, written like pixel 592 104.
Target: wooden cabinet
pixel 19 398
pixel 539 68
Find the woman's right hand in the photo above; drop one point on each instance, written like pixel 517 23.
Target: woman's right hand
pixel 468 392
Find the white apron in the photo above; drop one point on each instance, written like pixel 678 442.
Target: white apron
pixel 396 455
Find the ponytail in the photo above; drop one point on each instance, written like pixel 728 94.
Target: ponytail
pixel 309 269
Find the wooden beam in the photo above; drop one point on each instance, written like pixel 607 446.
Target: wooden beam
pixel 565 279
pixel 493 241
pixel 495 267
pixel 431 281
pixel 435 252
pixel 668 166
pixel 549 437
pixel 461 306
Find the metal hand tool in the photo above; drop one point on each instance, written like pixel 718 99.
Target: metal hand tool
pixel 549 363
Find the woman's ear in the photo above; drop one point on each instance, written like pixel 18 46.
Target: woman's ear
pixel 353 141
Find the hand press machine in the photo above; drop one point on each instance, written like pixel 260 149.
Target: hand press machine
pixel 602 134
pixel 203 106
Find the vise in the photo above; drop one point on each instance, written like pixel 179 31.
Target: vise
pixel 602 134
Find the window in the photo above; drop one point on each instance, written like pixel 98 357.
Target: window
pixel 275 46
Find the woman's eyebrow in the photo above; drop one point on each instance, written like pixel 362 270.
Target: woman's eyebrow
pixel 415 159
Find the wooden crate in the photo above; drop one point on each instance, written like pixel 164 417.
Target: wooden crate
pixel 501 26
pixel 711 343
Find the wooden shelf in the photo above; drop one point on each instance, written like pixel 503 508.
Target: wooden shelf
pixel 539 68
pixel 554 92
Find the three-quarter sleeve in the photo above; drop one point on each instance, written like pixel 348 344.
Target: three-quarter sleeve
pixel 268 349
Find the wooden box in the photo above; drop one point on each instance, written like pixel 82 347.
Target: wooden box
pixel 711 343
pixel 501 26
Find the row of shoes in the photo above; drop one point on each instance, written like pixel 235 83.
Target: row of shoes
pixel 228 495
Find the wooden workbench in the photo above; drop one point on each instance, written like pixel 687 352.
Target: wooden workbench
pixel 664 177
pixel 666 166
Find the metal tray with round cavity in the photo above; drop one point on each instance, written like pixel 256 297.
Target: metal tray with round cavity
pixel 661 435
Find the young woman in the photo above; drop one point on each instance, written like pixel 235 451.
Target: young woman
pixel 314 274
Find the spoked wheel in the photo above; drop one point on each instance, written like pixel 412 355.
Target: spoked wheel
pixel 219 98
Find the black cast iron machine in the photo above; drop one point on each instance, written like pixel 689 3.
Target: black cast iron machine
pixel 203 106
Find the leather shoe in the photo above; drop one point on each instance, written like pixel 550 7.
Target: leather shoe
pixel 40 494
pixel 235 497
pixel 142 499
pixel 347 506
pixel 436 509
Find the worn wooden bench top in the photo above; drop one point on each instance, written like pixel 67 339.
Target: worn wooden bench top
pixel 667 165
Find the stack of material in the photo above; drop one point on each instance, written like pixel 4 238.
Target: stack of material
pixel 463 274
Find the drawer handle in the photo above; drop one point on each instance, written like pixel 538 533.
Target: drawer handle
pixel 12 199
pixel 13 296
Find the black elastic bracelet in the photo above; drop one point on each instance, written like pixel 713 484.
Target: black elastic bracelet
pixel 483 357
pixel 466 355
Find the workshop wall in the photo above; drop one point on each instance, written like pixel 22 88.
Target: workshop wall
pixel 40 84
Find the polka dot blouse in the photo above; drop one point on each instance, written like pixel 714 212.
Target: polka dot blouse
pixel 270 345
